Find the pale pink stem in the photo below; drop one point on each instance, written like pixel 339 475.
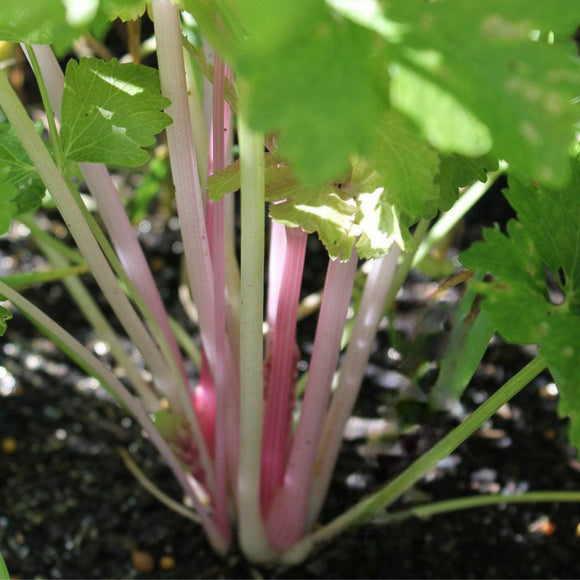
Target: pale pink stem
pixel 280 370
pixel 224 375
pixel 352 371
pixel 287 518
pixel 188 190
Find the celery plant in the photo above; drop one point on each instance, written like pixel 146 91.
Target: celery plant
pixel 356 122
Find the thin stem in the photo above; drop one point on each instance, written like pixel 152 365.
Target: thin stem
pixel 288 518
pixel 99 322
pixel 184 169
pixel 373 504
pixel 351 375
pixel 477 501
pixel 154 490
pixel 186 342
pixel 224 376
pixel 198 123
pixel 252 534
pixel 406 264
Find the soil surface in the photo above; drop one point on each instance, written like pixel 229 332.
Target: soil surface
pixel 69 508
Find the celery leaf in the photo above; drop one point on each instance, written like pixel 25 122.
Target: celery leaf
pixel 21 189
pixel 5 315
pixel 534 296
pixel 408 167
pixel 458 171
pixel 510 67
pixel 56 22
pixel 324 210
pixel 313 79
pixel 110 111
pixel 123 9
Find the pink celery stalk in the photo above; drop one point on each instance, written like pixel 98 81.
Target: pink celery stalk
pixel 351 375
pixel 224 377
pixel 188 191
pixel 287 519
pixel 280 370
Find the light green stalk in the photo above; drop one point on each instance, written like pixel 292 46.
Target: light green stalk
pixel 252 534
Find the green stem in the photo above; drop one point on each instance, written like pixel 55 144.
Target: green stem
pixel 252 534
pixel 406 264
pixel 373 504
pixel 471 502
pixel 94 315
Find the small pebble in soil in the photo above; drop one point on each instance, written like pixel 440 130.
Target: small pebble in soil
pixel 543 525
pixel 167 562
pixel 9 445
pixel 142 561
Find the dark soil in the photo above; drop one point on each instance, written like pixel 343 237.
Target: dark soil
pixel 69 508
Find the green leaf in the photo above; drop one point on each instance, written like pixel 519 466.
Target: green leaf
pixel 4 574
pixel 463 66
pixel 407 166
pixel 8 206
pixel 561 349
pixel 552 219
pixel 225 181
pixel 379 225
pixel 534 297
pixel 5 315
pixel 123 9
pixel 458 171
pixel 358 211
pixel 313 79
pixel 57 22
pixel 13 159
pixel 518 299
pixel 21 189
pixel 219 22
pixel 110 111
pixel 326 211
pixel 445 121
